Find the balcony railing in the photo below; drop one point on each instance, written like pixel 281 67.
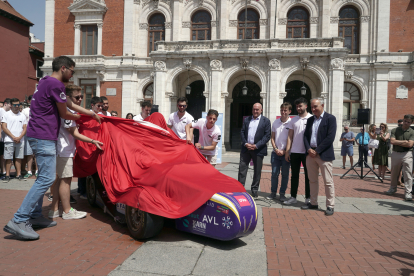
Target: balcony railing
pixel 247 44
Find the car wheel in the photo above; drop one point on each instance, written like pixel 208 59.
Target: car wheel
pixel 143 225
pixel 91 190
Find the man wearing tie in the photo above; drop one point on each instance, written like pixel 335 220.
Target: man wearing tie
pixel 319 137
pixel 255 134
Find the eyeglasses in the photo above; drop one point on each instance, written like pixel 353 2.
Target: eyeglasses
pixel 78 97
pixel 15 105
pixel 182 105
pixel 99 106
pixel 73 72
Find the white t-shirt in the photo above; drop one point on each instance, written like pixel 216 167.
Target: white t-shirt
pixel 281 131
pixel 138 118
pixel 298 124
pixel 107 114
pixel 26 112
pixel 66 145
pixel 207 136
pixel 15 123
pixel 178 125
pixel 2 111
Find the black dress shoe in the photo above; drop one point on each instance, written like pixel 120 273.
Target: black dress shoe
pixel 254 194
pixel 329 211
pixel 309 206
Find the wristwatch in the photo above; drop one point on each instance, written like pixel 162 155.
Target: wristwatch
pixel 202 147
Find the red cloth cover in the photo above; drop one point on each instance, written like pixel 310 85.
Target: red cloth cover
pixel 145 165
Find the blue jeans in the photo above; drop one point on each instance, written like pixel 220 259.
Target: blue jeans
pixel 279 162
pixel 45 153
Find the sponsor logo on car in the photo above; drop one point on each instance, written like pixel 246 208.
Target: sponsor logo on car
pixel 222 209
pixel 199 226
pixel 227 223
pixel 120 207
pixel 242 200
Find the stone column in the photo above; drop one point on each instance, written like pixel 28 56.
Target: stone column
pixel 215 89
pixel 159 88
pixel 379 110
pixel 383 26
pixel 100 25
pixel 128 27
pixel 276 93
pixel 324 23
pixel 364 42
pixel 50 28
pixel 77 39
pixel 314 27
pixel 223 20
pixel 226 121
pixel 176 20
pixel 336 97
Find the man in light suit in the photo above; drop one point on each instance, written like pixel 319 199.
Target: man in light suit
pixel 319 137
pixel 255 134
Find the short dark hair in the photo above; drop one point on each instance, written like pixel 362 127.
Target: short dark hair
pixel 70 88
pixel 146 104
pixel 286 105
pixel 96 100
pixel 103 98
pixel 113 111
pixel 301 100
pixel 409 116
pixel 7 100
pixel 182 99
pixel 30 98
pixel 400 121
pixel 213 112
pixel 126 117
pixel 13 100
pixel 62 61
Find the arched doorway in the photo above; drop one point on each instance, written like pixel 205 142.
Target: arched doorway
pixel 293 92
pixel 196 102
pixel 241 106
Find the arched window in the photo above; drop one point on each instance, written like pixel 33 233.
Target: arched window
pixel 149 92
pixel 201 26
pixel 298 23
pixel 349 28
pixel 156 30
pixel 352 99
pixel 253 28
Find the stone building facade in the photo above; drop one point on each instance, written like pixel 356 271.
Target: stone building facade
pixel 343 51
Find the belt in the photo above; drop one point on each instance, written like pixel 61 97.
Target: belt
pixel 313 148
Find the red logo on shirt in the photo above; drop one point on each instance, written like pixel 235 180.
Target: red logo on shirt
pixel 242 200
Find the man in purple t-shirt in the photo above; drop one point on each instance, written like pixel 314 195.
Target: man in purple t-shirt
pixel 47 107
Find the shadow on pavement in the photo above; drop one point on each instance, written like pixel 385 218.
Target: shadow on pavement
pixel 395 206
pixel 397 195
pixel 405 255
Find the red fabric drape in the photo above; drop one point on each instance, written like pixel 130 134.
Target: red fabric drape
pixel 145 165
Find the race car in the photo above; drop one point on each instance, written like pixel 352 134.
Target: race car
pixel 225 216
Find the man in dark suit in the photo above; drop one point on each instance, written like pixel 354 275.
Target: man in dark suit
pixel 319 137
pixel 255 134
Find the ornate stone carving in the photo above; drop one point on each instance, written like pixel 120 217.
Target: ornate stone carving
pixel 282 21
pixel 152 75
pixel 143 26
pixel 169 94
pixel 77 26
pixel 274 64
pixel 352 59
pixel 215 64
pixel 364 18
pixel 101 74
pixel 337 64
pixel 168 25
pixel 233 23
pixel 263 22
pixel 335 20
pixel 187 63
pixel 324 95
pixel 402 92
pixel 304 63
pixel 224 94
pixel 85 73
pixel 214 23
pixel 349 74
pixel 364 103
pixel 100 25
pixel 139 100
pixel 186 24
pixel 244 63
pixel 159 65
pixel 282 95
pixel 263 95
pixel 314 20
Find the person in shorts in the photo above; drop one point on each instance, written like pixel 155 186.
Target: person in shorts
pixel 28 152
pixel 209 135
pixel 66 148
pixel 14 126
pixel 5 108
pixel 347 148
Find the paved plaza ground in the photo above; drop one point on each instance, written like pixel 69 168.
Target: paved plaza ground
pixel 370 234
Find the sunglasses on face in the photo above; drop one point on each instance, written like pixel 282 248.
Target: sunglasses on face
pixel 182 105
pixel 78 97
pixel 99 106
pixel 15 105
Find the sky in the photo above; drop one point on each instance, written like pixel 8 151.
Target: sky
pixel 34 10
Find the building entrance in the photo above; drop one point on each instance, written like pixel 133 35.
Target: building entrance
pixel 196 103
pixel 293 92
pixel 240 107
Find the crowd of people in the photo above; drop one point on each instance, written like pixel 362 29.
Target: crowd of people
pixel 44 134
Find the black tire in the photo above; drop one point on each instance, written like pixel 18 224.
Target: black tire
pixel 93 183
pixel 143 225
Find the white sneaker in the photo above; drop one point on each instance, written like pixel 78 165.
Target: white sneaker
pixel 391 191
pixel 290 201
pixel 53 214
pixel 408 197
pixel 73 214
pixel 307 201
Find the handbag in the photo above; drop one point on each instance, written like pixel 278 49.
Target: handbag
pixel 373 143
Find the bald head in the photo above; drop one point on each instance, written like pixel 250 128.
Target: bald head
pixel 317 107
pixel 257 110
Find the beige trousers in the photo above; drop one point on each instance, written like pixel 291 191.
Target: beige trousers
pixel 404 160
pixel 313 165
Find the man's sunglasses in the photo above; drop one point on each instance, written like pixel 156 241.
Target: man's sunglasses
pixel 182 105
pixel 99 105
pixel 73 72
pixel 78 97
pixel 16 105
